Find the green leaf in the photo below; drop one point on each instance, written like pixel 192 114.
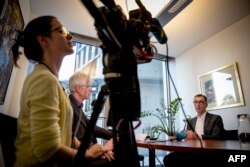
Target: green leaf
pixel 166 116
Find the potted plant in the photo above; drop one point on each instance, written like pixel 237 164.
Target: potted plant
pixel 185 120
pixel 166 115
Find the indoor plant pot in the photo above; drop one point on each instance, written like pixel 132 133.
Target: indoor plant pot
pixel 166 116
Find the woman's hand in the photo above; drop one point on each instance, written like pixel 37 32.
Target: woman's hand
pixel 77 143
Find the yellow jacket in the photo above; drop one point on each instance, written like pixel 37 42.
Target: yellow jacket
pixel 45 119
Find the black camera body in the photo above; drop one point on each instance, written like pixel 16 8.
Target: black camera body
pixel 125 43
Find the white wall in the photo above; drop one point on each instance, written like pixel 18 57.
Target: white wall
pixel 225 47
pixel 11 103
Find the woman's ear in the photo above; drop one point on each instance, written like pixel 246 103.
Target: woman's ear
pixel 43 41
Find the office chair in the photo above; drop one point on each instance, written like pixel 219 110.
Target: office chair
pixel 231 135
pixel 141 159
pixel 8 131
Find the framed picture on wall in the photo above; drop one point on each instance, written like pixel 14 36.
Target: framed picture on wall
pixel 222 87
pixel 11 20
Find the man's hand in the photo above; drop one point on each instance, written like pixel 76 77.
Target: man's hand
pixel 109 145
pixel 109 155
pixel 191 135
pixel 95 151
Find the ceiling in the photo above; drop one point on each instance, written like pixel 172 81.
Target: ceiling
pixel 197 22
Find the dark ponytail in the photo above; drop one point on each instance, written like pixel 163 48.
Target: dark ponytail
pixel 28 39
pixel 15 47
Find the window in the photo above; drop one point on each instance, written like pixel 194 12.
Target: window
pixel 152 80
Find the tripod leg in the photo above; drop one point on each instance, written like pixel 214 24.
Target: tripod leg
pixel 126 154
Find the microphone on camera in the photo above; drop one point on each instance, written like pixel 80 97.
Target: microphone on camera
pixel 155 26
pixel 157 31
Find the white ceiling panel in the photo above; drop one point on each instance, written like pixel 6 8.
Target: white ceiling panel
pixel 198 21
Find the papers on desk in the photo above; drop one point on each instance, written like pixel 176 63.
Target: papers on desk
pixel 144 137
pixel 154 141
pixel 141 137
pixel 161 140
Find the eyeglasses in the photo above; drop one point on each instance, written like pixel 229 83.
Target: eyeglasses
pixel 198 102
pixel 62 30
pixel 87 86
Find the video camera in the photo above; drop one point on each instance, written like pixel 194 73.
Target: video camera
pixel 117 32
pixel 125 43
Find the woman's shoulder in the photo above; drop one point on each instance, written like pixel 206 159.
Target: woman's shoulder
pixel 41 77
pixel 41 72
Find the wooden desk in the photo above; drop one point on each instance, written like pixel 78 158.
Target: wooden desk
pixel 209 146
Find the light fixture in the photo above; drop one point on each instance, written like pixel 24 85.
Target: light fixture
pixel 173 8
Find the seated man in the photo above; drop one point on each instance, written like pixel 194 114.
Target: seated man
pixel 80 89
pixel 205 126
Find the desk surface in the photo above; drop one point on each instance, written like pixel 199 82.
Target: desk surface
pixel 192 145
pixel 209 146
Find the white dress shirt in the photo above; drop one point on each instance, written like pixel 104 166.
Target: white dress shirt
pixel 199 126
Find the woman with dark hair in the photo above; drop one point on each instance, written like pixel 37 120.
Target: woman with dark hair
pixel 44 136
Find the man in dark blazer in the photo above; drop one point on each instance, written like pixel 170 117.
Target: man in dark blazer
pixel 80 90
pixel 204 126
pixel 80 123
